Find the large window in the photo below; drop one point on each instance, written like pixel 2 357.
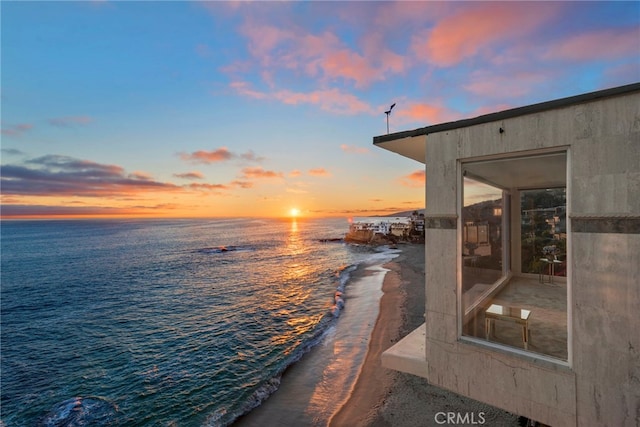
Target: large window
pixel 513 289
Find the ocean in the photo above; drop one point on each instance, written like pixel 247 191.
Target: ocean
pixel 169 322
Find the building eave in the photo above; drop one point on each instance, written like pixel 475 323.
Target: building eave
pixel 412 143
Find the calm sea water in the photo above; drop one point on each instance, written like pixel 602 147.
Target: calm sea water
pixel 149 323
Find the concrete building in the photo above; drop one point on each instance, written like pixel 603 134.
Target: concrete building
pixel 526 317
pixel 381 224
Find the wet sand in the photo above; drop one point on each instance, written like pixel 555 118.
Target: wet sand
pixel 380 397
pixel 383 397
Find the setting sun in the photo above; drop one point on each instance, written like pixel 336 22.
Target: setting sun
pixel 294 212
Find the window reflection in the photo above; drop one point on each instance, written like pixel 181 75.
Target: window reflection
pixel 481 240
pixel 544 231
pixel 515 295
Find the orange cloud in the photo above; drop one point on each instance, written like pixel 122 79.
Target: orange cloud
pixel 319 172
pixel 414 179
pixel 472 29
pixel 260 173
pixel 201 156
pixel 295 173
pixel 221 154
pixel 354 150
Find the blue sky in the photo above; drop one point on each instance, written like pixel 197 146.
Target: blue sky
pixel 234 108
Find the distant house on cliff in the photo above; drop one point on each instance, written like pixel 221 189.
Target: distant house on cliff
pixel 364 229
pixel 533 259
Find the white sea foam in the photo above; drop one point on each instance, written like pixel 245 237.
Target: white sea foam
pixel 318 384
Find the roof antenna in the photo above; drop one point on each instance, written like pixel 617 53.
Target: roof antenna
pixel 388 112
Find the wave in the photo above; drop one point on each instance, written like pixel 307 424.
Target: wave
pixel 325 328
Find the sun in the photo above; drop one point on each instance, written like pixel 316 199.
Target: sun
pixel 294 212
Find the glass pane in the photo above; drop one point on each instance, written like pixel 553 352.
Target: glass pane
pixel 544 231
pixel 524 309
pixel 482 241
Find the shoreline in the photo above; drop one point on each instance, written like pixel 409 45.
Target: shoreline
pixel 312 388
pixel 378 397
pixel 373 381
pixel 386 398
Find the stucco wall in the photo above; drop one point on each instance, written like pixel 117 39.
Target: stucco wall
pixel 602 384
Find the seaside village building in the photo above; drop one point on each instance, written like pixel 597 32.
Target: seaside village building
pixel 365 229
pixel 533 259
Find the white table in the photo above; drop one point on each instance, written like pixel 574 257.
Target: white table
pixel 509 314
pixel 551 263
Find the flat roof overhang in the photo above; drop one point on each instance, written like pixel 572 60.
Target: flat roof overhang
pixel 413 143
pixel 413 147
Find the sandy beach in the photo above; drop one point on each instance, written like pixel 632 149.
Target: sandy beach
pixel 380 397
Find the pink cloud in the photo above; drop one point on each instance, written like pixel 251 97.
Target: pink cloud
pixel 428 113
pixel 322 55
pixel 604 44
pixel 332 100
pixel 471 29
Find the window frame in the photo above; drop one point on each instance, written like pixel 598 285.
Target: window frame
pixel 511 218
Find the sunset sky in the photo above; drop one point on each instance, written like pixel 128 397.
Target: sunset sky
pixel 209 109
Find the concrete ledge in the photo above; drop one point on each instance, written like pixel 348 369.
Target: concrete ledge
pixel 409 354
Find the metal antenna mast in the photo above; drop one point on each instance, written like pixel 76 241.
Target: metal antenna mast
pixel 388 113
